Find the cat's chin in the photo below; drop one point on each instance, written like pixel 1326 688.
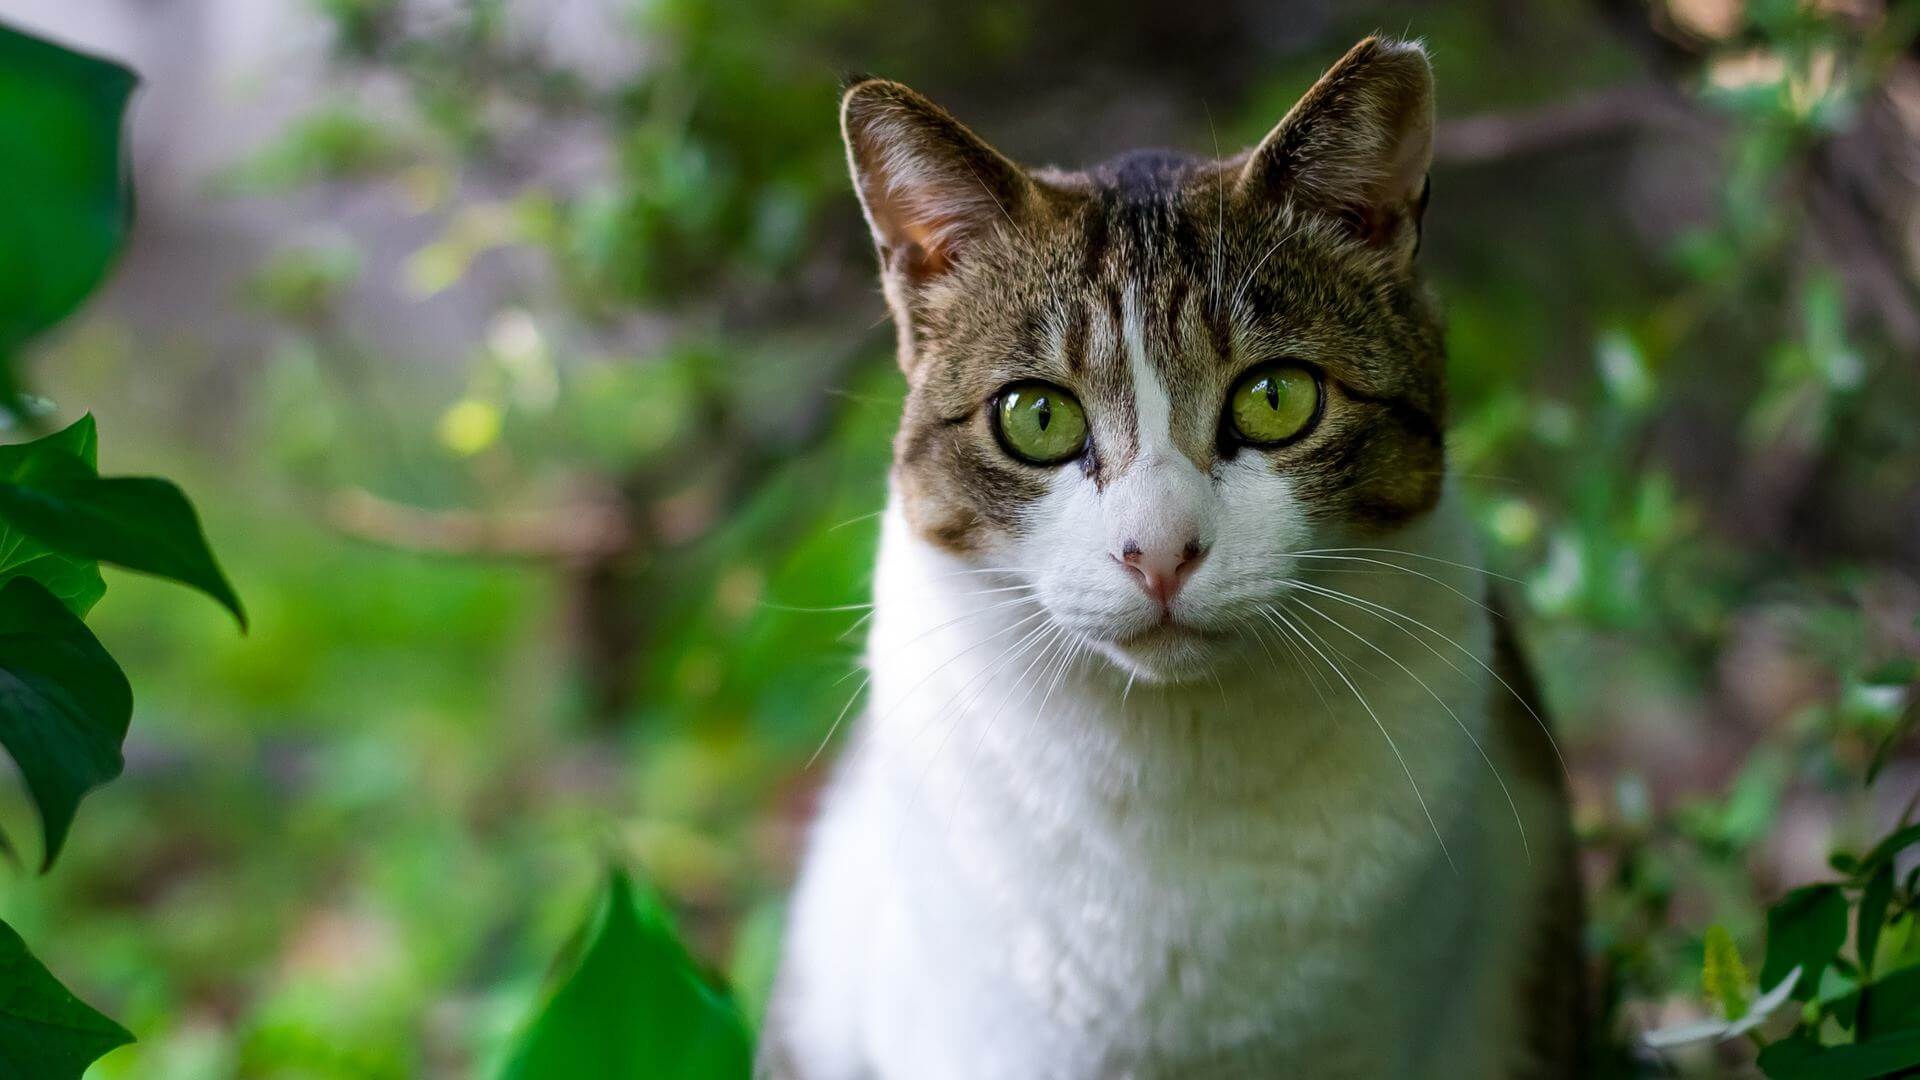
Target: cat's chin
pixel 1165 654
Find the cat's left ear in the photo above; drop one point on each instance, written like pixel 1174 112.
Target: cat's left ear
pixel 1357 146
pixel 931 188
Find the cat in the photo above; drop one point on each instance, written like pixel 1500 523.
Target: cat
pixel 1193 748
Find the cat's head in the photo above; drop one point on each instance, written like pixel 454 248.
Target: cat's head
pixel 1146 387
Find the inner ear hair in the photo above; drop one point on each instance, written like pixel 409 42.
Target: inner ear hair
pixel 1357 146
pixel 929 186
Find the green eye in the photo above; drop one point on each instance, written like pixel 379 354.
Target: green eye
pixel 1274 404
pixel 1040 423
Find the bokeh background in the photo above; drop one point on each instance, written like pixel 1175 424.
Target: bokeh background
pixel 526 362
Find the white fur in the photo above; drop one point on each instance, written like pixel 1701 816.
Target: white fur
pixel 1049 855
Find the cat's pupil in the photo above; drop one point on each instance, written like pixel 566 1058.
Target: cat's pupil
pixel 1044 410
pixel 1273 394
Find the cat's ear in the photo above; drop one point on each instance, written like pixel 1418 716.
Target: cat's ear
pixel 1357 146
pixel 929 186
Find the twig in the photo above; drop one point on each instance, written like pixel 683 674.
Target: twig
pixel 588 530
pixel 1620 110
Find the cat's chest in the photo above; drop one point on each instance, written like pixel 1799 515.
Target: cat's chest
pixel 1257 929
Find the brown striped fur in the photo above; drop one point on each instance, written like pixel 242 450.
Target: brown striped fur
pixel 1292 251
pixel 1301 250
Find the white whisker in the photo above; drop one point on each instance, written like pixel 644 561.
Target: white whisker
pixel 857 520
pixel 1416 555
pixel 1220 224
pixel 769 605
pixel 1301 661
pixel 940 747
pixel 835 726
pixel 915 688
pixel 868 605
pixel 1403 569
pixel 1390 615
pixel 1526 848
pixel 976 613
pixel 1395 747
pixel 855 626
pixel 1248 279
pixel 973 758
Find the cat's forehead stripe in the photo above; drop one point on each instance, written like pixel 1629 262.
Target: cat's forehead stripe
pixel 1153 411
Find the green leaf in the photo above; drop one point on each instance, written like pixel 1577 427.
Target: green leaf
pixel 141 523
pixel 76 581
pixel 1885 851
pixel 1872 915
pixel 1800 1058
pixel 45 1032
pixel 64 705
pixel 633 1006
pixel 80 438
pixel 1780 1058
pixel 1723 975
pixel 68 201
pixel 1893 1003
pixel 1908 723
pixel 1806 929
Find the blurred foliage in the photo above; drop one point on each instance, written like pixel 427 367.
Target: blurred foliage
pixel 593 582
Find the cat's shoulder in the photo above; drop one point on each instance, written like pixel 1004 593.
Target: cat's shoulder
pixel 1519 713
pixel 1553 991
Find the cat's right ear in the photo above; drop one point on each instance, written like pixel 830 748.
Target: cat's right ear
pixel 1357 146
pixel 930 187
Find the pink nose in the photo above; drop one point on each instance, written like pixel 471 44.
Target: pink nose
pixel 1161 570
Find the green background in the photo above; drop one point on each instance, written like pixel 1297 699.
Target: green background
pixel 526 389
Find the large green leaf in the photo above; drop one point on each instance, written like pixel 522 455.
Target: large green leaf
pixel 1805 929
pixel 1800 1058
pixel 45 1032
pixel 76 581
pixel 1893 1003
pixel 67 201
pixel 64 705
pixel 633 1006
pixel 141 523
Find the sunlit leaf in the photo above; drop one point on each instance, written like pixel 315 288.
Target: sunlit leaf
pixel 45 1032
pixel 64 705
pixel 633 1006
pixel 1723 975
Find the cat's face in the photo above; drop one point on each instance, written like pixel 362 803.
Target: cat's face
pixel 1149 388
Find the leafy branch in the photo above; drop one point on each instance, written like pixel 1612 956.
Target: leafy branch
pixel 65 705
